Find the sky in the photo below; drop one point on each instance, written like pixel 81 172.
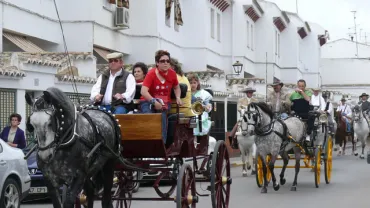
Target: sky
pixel 333 15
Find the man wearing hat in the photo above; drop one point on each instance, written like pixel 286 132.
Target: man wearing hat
pixel 365 105
pixel 115 88
pixel 346 113
pixel 278 100
pixel 317 100
pixel 242 102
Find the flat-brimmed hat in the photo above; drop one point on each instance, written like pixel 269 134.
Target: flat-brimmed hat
pixel 114 55
pixel 364 94
pixel 275 83
pixel 248 89
pixel 316 89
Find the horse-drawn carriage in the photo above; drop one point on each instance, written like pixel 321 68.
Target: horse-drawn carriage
pixel 140 139
pixel 275 136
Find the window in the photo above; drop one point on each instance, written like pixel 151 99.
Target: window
pixel 276 43
pixel 1 148
pixel 247 35
pixel 252 37
pixel 212 23
pixel 218 27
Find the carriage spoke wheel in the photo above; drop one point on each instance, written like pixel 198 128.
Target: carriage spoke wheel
pixel 259 170
pixel 220 176
pixel 186 193
pixel 123 192
pixel 328 161
pixel 317 166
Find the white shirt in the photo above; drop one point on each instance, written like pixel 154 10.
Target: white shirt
pixel 346 108
pixel 318 101
pixel 107 99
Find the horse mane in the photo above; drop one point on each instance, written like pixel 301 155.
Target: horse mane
pixel 264 107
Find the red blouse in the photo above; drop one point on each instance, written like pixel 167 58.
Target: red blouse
pixel 157 89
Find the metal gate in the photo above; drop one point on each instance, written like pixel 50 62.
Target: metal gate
pixel 218 116
pixel 7 106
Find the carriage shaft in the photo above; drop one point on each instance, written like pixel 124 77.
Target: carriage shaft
pixel 293 166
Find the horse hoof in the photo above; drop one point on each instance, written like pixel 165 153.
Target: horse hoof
pixel 362 156
pixel 244 174
pixel 277 187
pixel 264 190
pixel 253 172
pixel 356 154
pixel 282 181
pixel 249 167
pixel 293 188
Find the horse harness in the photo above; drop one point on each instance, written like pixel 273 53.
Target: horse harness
pixel 65 138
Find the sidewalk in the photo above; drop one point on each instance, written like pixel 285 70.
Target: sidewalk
pixel 236 161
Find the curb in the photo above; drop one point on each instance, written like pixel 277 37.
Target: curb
pixel 240 163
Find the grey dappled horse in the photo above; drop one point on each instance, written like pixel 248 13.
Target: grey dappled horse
pixel 360 128
pixel 246 143
pixel 270 135
pixel 65 138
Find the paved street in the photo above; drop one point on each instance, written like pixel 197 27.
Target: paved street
pixel 350 187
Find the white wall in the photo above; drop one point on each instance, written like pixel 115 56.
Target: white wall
pixel 345 71
pixel 344 48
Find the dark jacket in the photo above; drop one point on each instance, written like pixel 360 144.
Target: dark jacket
pixel 119 86
pixel 19 137
pixel 365 105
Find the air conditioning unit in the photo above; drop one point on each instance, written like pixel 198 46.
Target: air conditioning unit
pixel 122 17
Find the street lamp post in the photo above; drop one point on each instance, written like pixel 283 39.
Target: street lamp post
pixel 238 68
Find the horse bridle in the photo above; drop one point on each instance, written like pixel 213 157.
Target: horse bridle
pixel 59 139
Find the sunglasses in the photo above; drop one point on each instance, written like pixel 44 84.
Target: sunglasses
pixel 164 61
pixel 113 60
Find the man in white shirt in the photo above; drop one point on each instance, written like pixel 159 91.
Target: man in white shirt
pixel 346 113
pixel 115 88
pixel 317 100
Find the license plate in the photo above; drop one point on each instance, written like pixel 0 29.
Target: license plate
pixel 38 190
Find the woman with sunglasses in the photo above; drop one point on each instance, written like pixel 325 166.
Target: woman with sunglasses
pixel 157 87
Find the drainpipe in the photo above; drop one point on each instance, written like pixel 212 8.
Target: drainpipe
pixel 225 107
pixel 232 32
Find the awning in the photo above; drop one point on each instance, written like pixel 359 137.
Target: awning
pixel 102 53
pixel 23 43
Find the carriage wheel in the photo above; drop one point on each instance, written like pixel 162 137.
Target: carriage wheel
pixel 220 176
pixel 259 170
pixel 317 166
pixel 186 192
pixel 123 192
pixel 328 160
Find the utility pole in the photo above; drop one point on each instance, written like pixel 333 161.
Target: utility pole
pixel 365 36
pixel 296 5
pixel 354 19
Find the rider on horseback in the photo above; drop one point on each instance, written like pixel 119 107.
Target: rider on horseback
pixel 365 105
pixel 301 106
pixel 242 102
pixel 346 113
pixel 278 100
pixel 329 111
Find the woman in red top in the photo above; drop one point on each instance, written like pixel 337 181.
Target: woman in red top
pixel 157 87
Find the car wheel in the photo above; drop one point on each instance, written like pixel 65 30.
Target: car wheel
pixel 10 195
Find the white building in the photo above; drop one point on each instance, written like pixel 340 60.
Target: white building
pixel 206 40
pixel 345 69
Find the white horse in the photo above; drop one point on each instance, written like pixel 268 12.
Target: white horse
pixel 360 128
pixel 246 143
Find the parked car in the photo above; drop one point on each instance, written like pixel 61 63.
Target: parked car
pixel 15 181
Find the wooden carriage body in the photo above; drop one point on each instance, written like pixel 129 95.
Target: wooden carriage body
pixel 141 134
